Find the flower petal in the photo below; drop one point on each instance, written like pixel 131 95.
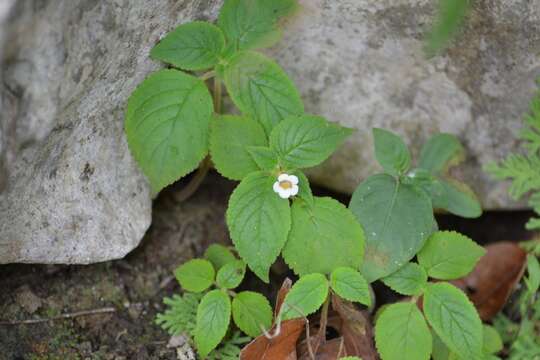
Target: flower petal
pixel 283 177
pixel 293 179
pixel 276 187
pixel 284 193
pixel 294 190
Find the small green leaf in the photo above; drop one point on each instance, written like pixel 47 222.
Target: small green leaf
pixel 454 319
pixel 264 157
pixel 410 279
pixel 305 141
pixel 449 255
pixel 397 219
pixel 259 221
pixel 167 125
pixel 401 333
pixel 450 16
pixel 441 152
pixel 192 46
pixel 252 24
pixel 457 198
pixel 230 136
pixel 323 237
pixel 533 269
pixel 492 340
pixel 260 88
pixel 219 255
pixel 391 152
pixel 305 297
pixel 195 275
pixel 213 317
pixel 252 313
pixel 350 285
pixel 231 274
pixel 350 358
pixel 304 190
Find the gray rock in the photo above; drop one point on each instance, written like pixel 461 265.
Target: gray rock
pixel 73 194
pixel 361 63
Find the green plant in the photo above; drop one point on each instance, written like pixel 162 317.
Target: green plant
pixel 174 124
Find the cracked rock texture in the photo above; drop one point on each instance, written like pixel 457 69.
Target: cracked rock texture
pixel 69 189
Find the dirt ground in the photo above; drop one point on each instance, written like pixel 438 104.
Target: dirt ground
pixel 134 287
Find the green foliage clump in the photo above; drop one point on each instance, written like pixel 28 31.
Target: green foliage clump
pixel 524 169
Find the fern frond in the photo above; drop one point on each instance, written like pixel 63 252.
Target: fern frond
pixel 531 134
pixel 522 170
pixel 181 316
pixel 229 348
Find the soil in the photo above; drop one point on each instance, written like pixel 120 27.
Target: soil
pixel 135 286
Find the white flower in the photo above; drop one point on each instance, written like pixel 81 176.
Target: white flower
pixel 286 186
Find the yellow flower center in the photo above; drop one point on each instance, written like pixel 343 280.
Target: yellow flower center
pixel 285 184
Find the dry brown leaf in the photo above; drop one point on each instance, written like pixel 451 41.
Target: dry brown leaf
pixel 494 278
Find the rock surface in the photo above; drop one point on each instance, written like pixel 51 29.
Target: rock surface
pixel 73 194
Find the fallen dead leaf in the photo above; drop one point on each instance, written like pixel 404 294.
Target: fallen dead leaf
pixel 494 278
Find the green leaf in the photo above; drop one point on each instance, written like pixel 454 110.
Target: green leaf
pixel 323 237
pixel 259 221
pixel 441 152
pixel 401 333
pixel 304 190
pixel 391 152
pixel 192 46
pixel 260 88
pixel 252 312
pixel 397 219
pixel 264 157
pixel 230 137
pixel 213 317
pixel 440 350
pixel 410 279
pixel 195 275
pixel 454 319
pixel 252 24
pixel 492 340
pixel 305 297
pixel 219 255
pixel 449 255
pixel 167 125
pixel 350 285
pixel 451 15
pixel 457 198
pixel 306 140
pixel 231 274
pixel 533 269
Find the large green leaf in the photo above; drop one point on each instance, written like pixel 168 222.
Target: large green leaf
pixel 252 313
pixel 410 279
pixel 264 157
pixel 397 219
pixel 323 237
pixel 454 319
pixel 441 152
pixel 167 125
pixel 349 284
pixel 192 46
pixel 306 140
pixel 451 15
pixel 305 297
pixel 230 137
pixel 261 89
pixel 401 333
pixel 391 152
pixel 251 24
pixel 195 275
pixel 449 255
pixel 213 317
pixel 259 221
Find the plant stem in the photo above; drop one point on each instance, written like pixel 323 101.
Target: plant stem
pixel 203 169
pixel 207 75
